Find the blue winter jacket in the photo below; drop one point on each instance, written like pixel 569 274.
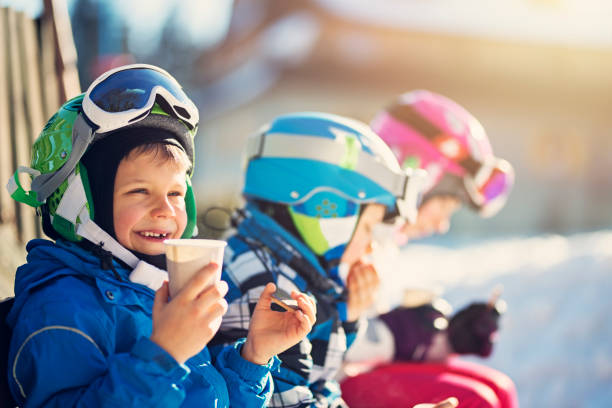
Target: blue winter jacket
pixel 81 338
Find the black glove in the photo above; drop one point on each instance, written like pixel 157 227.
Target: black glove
pixel 413 329
pixel 471 330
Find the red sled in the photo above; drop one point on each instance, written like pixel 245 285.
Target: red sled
pixel 408 384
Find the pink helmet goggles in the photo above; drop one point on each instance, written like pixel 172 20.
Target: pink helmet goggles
pixel 418 127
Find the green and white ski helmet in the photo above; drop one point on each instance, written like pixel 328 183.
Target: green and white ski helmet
pixel 68 204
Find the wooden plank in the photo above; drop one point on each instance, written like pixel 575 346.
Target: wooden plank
pixel 48 72
pixel 67 49
pixel 20 138
pixel 66 56
pixel 7 207
pixel 30 65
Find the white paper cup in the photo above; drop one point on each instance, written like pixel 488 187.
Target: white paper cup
pixel 185 257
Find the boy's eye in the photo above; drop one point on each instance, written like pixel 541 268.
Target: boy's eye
pixel 138 191
pixel 176 194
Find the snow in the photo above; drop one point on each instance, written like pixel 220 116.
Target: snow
pixel 556 336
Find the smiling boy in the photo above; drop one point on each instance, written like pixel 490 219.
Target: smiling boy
pixel 92 322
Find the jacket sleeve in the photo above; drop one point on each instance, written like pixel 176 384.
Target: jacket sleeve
pixel 62 366
pixel 64 353
pixel 351 329
pixel 249 384
pixel 292 387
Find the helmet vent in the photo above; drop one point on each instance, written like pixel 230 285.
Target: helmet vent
pixel 182 112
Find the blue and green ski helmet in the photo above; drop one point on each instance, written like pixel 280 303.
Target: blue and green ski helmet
pixel 52 150
pixel 324 168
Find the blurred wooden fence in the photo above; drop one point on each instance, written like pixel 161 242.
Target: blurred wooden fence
pixel 37 73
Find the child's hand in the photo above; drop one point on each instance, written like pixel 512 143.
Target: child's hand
pixel 362 284
pixel 272 332
pixel 185 325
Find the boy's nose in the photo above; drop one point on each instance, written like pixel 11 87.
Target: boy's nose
pixel 163 208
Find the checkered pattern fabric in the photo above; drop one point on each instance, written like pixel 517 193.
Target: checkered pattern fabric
pixel 307 370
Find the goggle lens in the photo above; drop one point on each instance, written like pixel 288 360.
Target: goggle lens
pixel 490 195
pixel 131 89
pixel 496 185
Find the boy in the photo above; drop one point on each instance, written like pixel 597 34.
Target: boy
pixel 111 179
pixel 315 184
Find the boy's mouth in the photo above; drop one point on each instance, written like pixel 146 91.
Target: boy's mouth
pixel 153 235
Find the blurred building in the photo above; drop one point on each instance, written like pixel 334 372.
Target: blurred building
pixel 544 100
pixel 535 72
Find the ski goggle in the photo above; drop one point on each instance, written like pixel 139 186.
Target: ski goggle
pixel 489 187
pixel 127 94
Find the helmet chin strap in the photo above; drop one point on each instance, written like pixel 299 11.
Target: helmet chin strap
pixel 93 233
pixel 142 272
pixel 73 208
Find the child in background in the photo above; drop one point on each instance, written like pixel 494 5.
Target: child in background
pixel 316 184
pixel 92 322
pixel 426 130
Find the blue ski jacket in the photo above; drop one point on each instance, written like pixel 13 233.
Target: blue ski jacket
pixel 81 339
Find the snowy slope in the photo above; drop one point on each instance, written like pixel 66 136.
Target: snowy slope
pixel 556 337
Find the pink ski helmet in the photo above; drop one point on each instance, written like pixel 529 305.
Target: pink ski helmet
pixel 429 131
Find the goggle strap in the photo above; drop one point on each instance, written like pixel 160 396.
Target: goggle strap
pixel 254 147
pixel 73 201
pixel 409 116
pixel 470 165
pixel 450 185
pixel 93 233
pixel 73 208
pixel 408 204
pixel 82 136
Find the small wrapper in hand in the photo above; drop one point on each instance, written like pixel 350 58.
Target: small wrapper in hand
pixel 282 301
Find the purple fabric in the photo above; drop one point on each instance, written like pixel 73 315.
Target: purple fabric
pixel 413 329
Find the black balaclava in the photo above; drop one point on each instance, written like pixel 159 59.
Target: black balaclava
pixel 102 161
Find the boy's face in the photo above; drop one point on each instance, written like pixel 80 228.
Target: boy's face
pixel 149 202
pixel 361 242
pixel 433 218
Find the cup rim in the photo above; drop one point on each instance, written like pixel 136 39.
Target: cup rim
pixel 195 242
